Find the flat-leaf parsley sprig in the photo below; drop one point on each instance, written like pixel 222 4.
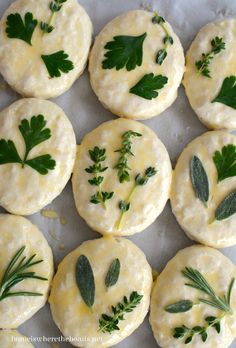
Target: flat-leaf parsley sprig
pixel 98 155
pixel 168 39
pixel 202 65
pixel 16 272
pixel 227 94
pixel 147 87
pixel 57 63
pixel 55 6
pixel 125 151
pixel 22 29
pixel 33 133
pixel 222 303
pixel 225 162
pixel 140 180
pixel 109 323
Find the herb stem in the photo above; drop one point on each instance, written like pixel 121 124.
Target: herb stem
pixel 119 221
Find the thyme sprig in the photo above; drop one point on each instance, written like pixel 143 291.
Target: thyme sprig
pixel 98 156
pixel 16 273
pixel 125 151
pixel 140 180
pixel 202 65
pixel 55 6
pixel 168 39
pixel 109 323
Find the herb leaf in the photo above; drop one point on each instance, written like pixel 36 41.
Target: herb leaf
pixel 113 273
pixel 148 85
pixel 101 197
pixel 199 179
pixel 15 274
pixel 57 63
pixel 85 280
pixel 125 151
pixel 161 56
pixel 110 323
pixel 55 6
pixel 227 207
pixel 124 51
pixel 33 133
pixel 142 180
pixel 225 162
pixel 180 306
pixel 18 29
pixel 227 94
pixel 217 45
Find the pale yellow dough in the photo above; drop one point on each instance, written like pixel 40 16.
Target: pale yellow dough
pixel 112 86
pixel 21 64
pixel 13 339
pixel 147 202
pixel 24 191
pixel 192 215
pixel 71 314
pixel 202 90
pixel 17 232
pixel 170 288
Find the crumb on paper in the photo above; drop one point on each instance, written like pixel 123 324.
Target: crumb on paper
pixel 62 246
pixel 155 274
pixel 63 220
pixel 53 235
pixel 50 214
pixel 55 345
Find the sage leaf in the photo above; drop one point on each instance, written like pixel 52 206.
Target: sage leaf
pixel 85 280
pixel 227 207
pixel 113 273
pixel 199 179
pixel 180 306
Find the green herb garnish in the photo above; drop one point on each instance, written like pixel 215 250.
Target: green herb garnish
pixel 225 162
pixel 113 273
pixel 140 180
pixel 227 94
pixel 16 273
pixel 199 179
pixel 168 40
pixel 109 323
pixel 33 133
pixel 57 63
pixel 124 51
pixel 227 207
pixel 17 28
pixel 202 65
pixel 148 85
pixel 55 6
pixel 198 282
pixel 98 156
pixel 85 280
pixel 125 151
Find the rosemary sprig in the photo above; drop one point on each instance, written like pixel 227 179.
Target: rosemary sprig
pixel 168 40
pixel 109 323
pixel 98 156
pixel 197 281
pixel 15 273
pixel 140 180
pixel 125 151
pixel 202 65
pixel 55 6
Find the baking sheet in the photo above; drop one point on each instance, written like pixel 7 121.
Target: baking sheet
pixel 175 127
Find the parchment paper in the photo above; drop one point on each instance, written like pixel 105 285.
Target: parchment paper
pixel 175 127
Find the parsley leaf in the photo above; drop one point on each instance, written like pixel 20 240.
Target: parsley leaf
pixel 33 133
pixel 227 94
pixel 57 63
pixel 124 51
pixel 19 29
pixel 147 86
pixel 217 45
pixel 225 162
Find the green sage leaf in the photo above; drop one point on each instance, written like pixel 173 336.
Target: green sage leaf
pixel 180 306
pixel 113 273
pixel 227 207
pixel 85 280
pixel 199 179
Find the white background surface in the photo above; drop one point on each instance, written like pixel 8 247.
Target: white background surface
pixel 175 127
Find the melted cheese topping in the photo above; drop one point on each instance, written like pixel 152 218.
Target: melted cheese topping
pixel 112 86
pixel 17 232
pixel 71 314
pixel 202 90
pixel 190 212
pixel 147 202
pixel 13 339
pixel 24 191
pixel 170 288
pixel 21 64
